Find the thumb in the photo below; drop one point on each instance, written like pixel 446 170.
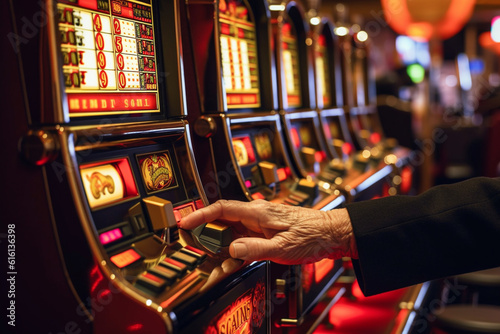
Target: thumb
pixel 253 249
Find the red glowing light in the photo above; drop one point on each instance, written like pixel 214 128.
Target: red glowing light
pixel 125 258
pixel 257 196
pixel 375 137
pixel 135 327
pixel 322 268
pixel 319 156
pixel 423 21
pixel 347 148
pixel 281 174
pixel 406 180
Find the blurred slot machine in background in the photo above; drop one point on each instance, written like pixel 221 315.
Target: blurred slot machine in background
pixel 236 72
pixel 365 165
pixel 379 155
pixel 109 146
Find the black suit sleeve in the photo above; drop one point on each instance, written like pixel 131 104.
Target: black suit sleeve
pixel 447 230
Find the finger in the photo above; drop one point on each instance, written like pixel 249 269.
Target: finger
pixel 204 215
pixel 253 249
pixel 231 211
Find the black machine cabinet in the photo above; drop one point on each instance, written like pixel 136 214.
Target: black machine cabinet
pixel 103 146
pixel 236 70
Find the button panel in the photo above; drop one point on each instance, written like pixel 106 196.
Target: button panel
pixel 159 277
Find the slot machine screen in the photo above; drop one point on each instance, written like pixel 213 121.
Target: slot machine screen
pixel 243 150
pixel 109 57
pixel 108 182
pixel 263 146
pixel 238 46
pixel 291 65
pixel 323 71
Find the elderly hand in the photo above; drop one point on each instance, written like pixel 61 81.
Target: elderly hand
pixel 280 233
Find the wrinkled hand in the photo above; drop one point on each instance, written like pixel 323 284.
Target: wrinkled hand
pixel 280 233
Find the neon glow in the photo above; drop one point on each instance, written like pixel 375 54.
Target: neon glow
pixel 125 258
pixel 243 316
pixel 281 174
pixel 110 236
pixel 416 73
pixel 294 135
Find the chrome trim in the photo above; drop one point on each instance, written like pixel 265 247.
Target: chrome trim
pixel 421 295
pixel 334 204
pixel 409 322
pixel 301 114
pixel 268 118
pixel 113 134
pixel 194 167
pixel 229 142
pixel 326 311
pixel 372 179
pixel 332 112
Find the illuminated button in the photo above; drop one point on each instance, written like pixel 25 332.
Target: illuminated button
pixel 327 177
pixel 220 235
pixel 188 260
pixel 308 155
pixel 164 272
pixel 308 187
pixel 199 204
pixel 257 195
pixel 125 258
pixel 336 166
pixel 198 253
pixel 152 282
pixel 174 265
pixel 269 172
pixel 178 215
pixel 161 212
pixel 299 196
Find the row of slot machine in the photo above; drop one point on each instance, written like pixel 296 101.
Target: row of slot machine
pixel 130 114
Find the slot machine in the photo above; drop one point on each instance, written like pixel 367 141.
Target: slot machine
pixel 106 150
pixel 349 125
pixel 233 50
pixel 324 160
pixel 362 170
pixel 365 118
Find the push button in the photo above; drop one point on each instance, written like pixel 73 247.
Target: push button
pixel 172 264
pixel 220 235
pixel 299 197
pixel 164 273
pixel 292 202
pixel 308 187
pixel 188 260
pixel 151 282
pixel 197 253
